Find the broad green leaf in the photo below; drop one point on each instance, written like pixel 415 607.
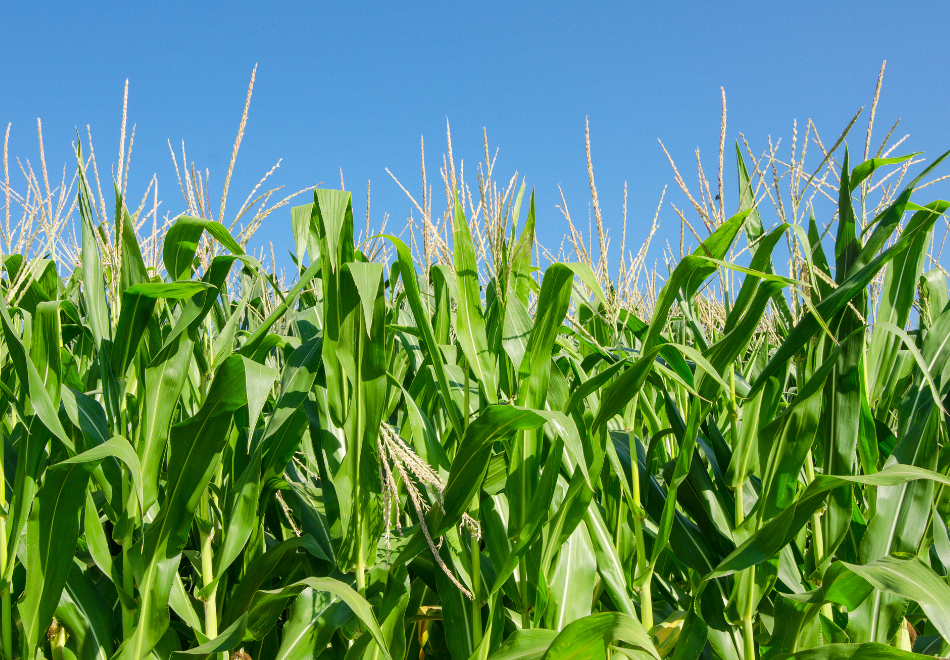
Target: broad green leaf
pixel 897 298
pixel 87 616
pixel 536 516
pixel 240 520
pixel 195 447
pixel 30 378
pixel 408 276
pixel 314 618
pixel 181 244
pixel 608 562
pixel 866 651
pixel 94 292
pixel 572 581
pixel 470 325
pixel 52 532
pixel 525 645
pixel 912 579
pixel 132 270
pixel 589 637
pixel 138 304
pixel 47 339
pixel 263 569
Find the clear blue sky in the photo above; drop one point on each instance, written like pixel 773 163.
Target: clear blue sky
pixel 355 86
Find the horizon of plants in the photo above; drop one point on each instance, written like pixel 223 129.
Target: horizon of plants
pixel 454 446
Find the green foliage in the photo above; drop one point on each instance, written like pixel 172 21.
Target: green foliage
pixel 474 458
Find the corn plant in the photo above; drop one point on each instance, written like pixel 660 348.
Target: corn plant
pixel 453 451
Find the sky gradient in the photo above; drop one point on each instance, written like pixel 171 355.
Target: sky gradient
pixel 354 86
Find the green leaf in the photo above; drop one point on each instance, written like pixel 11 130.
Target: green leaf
pixel 572 581
pixel 132 270
pixel 314 618
pixel 866 651
pixel 263 569
pixel 368 278
pixel 864 268
pixel 525 645
pixel 93 284
pixel 266 606
pixel 535 369
pixel 165 377
pixel 468 469
pixel 608 562
pixel 456 613
pixel 897 299
pixel 771 537
pixel 181 244
pixel 240 520
pixel 470 324
pixel 536 516
pixel 45 349
pixel 52 531
pixel 195 448
pixel 589 637
pixel 902 509
pixel 910 578
pixel 87 616
pixel 284 428
pixel 26 371
pixel 521 259
pixel 225 641
pixel 138 304
pixel 407 272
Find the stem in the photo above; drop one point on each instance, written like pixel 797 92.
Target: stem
pixel 646 596
pixel 58 641
pixel 871 491
pixel 818 543
pixel 523 583
pixel 360 574
pixel 726 289
pixel 7 625
pixel 740 506
pixel 817 540
pixel 128 583
pixel 6 617
pixel 476 590
pixel 734 433
pixel 207 572
pixel 128 619
pixel 748 641
pixel 475 548
pixel 528 440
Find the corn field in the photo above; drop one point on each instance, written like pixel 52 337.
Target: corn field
pixel 456 444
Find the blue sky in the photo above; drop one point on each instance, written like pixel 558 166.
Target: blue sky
pixel 354 86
